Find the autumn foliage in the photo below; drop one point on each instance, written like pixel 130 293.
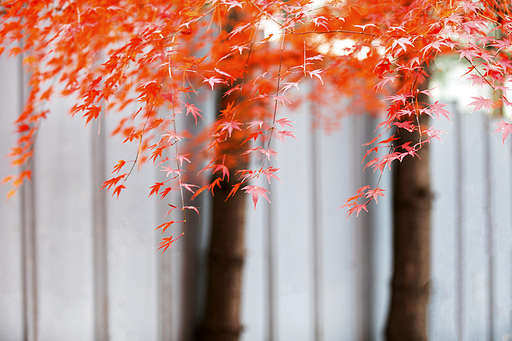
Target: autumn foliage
pixel 156 56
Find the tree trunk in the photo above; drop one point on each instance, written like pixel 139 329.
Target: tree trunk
pixel 226 258
pixel 221 321
pixel 407 318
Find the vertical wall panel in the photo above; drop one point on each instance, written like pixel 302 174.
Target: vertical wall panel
pixel 168 275
pixel 255 272
pixel 11 300
pixel 379 241
pixel 100 228
pixel 501 169
pixel 360 235
pixel 442 311
pixel 317 298
pixel 64 227
pixel 474 228
pixel 131 249
pixel 292 201
pixel 489 226
pixel 340 263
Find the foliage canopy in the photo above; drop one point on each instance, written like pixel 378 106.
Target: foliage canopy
pixel 156 55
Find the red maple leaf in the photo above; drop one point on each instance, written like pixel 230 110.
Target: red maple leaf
pixel 224 169
pixel 117 190
pixel 155 188
pixel 118 166
pixel 166 225
pixel 167 242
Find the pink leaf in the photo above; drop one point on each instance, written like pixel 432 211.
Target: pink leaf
pixel 316 73
pixel 213 80
pixel 182 158
pixel 480 102
pixel 240 48
pixel 269 173
pixel 172 135
pixel 224 73
pixel 267 152
pixel 233 89
pixel 437 108
pixel 283 99
pixel 224 169
pixel 321 21
pixel 169 170
pixel 357 208
pixel 238 29
pixel 374 193
pixel 192 109
pixel 505 128
pixel 192 208
pixel 433 133
pixel 257 123
pixel 407 125
pixel 402 42
pixel 230 126
pixel 188 187
pixel 281 134
pixel 285 122
pixel 256 191
pixel 231 4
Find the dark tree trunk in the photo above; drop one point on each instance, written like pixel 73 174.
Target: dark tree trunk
pixel 221 321
pixel 410 287
pixel 226 258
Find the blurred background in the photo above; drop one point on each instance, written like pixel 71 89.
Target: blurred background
pixel 78 264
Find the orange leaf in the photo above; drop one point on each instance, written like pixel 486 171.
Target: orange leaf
pixel 7 179
pixel 166 225
pixel 234 190
pixel 10 194
pixel 118 190
pixel 167 242
pixel 198 192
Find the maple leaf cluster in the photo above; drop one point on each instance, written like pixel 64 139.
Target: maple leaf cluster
pixel 155 56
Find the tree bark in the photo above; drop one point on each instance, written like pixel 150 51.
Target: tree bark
pixel 410 287
pixel 226 258
pixel 221 321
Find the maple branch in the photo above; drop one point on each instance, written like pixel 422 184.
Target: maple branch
pixel 278 89
pixel 347 32
pixel 176 148
pixel 502 97
pixel 312 32
pixel 185 25
pixel 238 99
pixel 141 134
